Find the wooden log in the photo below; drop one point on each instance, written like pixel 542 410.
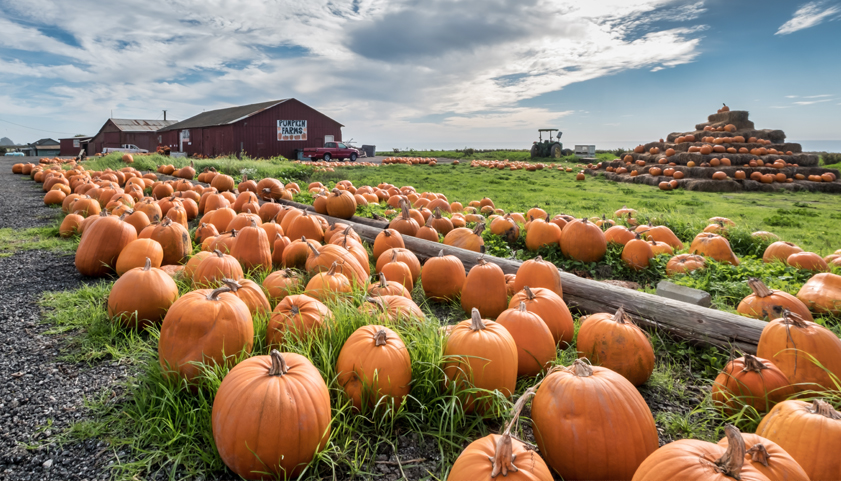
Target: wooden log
pixel 708 326
pixel 701 324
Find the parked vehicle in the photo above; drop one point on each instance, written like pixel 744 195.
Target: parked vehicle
pixel 126 148
pixel 14 154
pixel 331 150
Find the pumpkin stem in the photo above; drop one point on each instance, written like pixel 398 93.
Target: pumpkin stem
pixel 218 253
pixel 233 232
pixel 148 265
pixel 214 294
pixel 312 248
pixel 522 307
pixel 377 302
pixel 383 281
pixel 279 366
pixel 476 322
pixel 479 228
pixel 380 338
pixel 792 318
pixel 529 294
pixel 232 284
pixel 619 317
pixel 404 210
pixel 332 270
pixel 824 409
pixel 581 368
pixel 758 454
pixel 753 364
pixel 759 288
pixel 503 458
pixel 730 463
pixel 387 233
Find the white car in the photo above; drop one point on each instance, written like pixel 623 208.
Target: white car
pixel 126 148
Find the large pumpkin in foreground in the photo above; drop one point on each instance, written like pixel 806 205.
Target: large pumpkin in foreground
pixel 374 363
pixel 591 423
pixel 101 245
pixel 142 296
pixel 270 416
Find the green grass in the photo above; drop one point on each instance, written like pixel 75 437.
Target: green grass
pixel 813 226
pixel 35 238
pixel 277 167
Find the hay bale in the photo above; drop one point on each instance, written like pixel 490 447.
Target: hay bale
pixel 713 186
pixel 730 117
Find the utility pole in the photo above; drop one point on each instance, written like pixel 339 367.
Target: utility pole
pixel 164 115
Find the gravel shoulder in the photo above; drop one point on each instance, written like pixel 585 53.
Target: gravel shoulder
pixel 40 396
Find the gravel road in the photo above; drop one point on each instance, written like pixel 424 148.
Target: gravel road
pixel 40 395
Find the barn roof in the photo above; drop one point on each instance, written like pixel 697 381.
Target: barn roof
pixel 226 116
pixel 139 125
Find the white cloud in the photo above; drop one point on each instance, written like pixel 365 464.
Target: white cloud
pixel 811 102
pixel 807 16
pixel 191 55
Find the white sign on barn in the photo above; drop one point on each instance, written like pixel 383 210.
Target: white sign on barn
pixel 291 130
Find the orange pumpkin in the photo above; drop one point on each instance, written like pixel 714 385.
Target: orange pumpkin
pixel 484 289
pixel 374 363
pixel 751 381
pixel 615 342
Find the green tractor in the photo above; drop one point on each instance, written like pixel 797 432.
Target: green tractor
pixel 549 147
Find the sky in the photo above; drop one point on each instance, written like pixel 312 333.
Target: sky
pixel 427 73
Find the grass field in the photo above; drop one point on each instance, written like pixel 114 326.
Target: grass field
pixel 512 155
pixel 807 219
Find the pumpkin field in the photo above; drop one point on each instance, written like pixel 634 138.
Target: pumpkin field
pixel 267 319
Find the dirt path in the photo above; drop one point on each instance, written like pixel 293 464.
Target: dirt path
pixel 40 395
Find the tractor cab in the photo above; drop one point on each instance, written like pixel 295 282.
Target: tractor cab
pixel 549 147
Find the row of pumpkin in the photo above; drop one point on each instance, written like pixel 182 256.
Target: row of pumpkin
pixel 485 275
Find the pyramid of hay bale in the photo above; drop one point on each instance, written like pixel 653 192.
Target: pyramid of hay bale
pixel 727 143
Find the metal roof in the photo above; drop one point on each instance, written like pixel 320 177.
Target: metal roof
pixel 226 116
pixel 137 125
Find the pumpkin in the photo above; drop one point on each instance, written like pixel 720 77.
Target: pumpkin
pixel 135 254
pixel 797 346
pixel 484 289
pixel 285 394
pixel 385 240
pixel 392 308
pixel 399 271
pixel 142 296
pixel 481 354
pixel 278 247
pixel 252 248
pixel 488 457
pixel 443 277
pixel 204 231
pixel 278 284
pixel 583 241
pixel 713 246
pixel 619 427
pixel 216 267
pixel 637 254
pixel 386 287
pixel 551 308
pixel 299 314
pixel 615 342
pixel 769 304
pixel 405 224
pixel 505 227
pixel 70 225
pixel 204 326
pixel 464 238
pixel 542 232
pixel 618 234
pixel 535 344
pixel 341 204
pixel 251 294
pixel 223 242
pixel 809 432
pixel 304 225
pixel 193 264
pixel 101 245
pixel 329 285
pixel 175 241
pixel 684 264
pixel 403 255
pixel 780 251
pixel 538 273
pixel 691 459
pixel 822 293
pixel 752 381
pixel 661 233
pixel 374 363
pixel 807 261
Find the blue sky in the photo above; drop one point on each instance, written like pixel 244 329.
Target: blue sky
pixel 427 73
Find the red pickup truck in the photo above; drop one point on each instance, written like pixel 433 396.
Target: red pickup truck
pixel 331 150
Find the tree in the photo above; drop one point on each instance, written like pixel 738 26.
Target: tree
pixel 2 150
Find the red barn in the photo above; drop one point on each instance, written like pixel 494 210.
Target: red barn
pixel 267 129
pixel 71 146
pixel 116 132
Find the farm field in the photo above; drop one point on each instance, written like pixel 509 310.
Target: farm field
pixel 147 424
